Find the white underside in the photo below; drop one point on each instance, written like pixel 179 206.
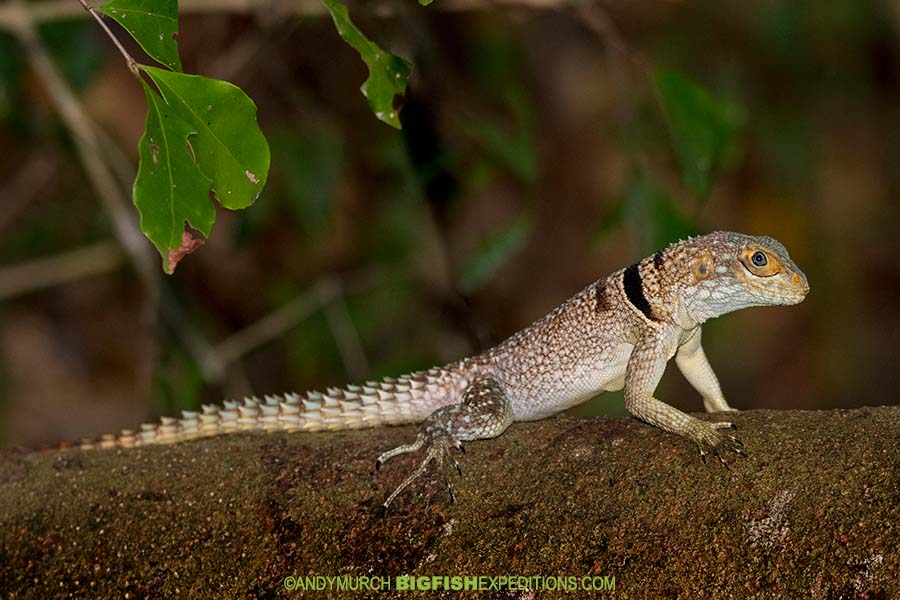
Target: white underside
pixel 594 374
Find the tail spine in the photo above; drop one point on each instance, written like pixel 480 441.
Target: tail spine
pixel 391 401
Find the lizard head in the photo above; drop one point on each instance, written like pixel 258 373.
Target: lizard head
pixel 731 271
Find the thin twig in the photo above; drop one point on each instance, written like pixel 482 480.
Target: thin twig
pixel 45 272
pixel 132 64
pixel 272 325
pixel 287 316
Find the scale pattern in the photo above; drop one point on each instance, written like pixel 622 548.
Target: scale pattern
pixel 391 401
pixel 620 331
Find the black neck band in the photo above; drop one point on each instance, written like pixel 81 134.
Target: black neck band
pixel 635 290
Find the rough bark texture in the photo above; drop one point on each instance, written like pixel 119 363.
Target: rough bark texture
pixel 813 512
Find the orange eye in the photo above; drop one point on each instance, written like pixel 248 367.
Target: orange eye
pixel 760 262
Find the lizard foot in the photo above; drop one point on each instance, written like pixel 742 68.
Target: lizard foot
pixel 711 441
pixel 438 444
pixel 484 412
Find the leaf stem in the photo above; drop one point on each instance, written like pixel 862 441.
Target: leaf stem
pixel 132 64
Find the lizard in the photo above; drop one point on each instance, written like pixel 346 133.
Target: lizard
pixel 618 332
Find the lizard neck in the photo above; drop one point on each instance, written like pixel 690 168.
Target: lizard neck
pixel 687 317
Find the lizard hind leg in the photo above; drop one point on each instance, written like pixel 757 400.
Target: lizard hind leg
pixel 484 412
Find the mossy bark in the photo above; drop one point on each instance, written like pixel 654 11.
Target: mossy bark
pixel 813 511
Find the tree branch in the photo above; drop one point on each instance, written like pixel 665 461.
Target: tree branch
pixel 811 512
pixel 132 64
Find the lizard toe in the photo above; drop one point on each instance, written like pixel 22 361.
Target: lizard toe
pixel 712 441
pixel 437 444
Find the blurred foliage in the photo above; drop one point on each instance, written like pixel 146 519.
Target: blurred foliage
pixel 309 166
pixel 511 148
pixel 178 383
pixel 703 128
pixel 541 139
pixel 11 70
pixel 396 232
pixel 76 48
pixel 496 250
pixel 646 208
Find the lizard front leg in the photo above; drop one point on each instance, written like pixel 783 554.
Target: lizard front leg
pixel 645 368
pixel 484 412
pixel 695 367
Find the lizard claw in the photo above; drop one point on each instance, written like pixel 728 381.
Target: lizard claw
pixel 438 445
pixel 728 444
pixel 711 441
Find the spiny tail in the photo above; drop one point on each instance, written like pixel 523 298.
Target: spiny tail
pixel 391 401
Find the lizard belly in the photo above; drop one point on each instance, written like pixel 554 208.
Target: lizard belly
pixel 568 387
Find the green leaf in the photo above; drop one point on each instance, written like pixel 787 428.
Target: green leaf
pixel 494 253
pixel 703 127
pixel 648 209
pixel 200 134
pixel 388 74
pixel 153 24
pixel 169 189
pixel 514 149
pixel 228 145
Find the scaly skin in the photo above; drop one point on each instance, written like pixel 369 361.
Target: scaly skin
pixel 618 332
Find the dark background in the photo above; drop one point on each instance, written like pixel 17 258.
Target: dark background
pixel 536 158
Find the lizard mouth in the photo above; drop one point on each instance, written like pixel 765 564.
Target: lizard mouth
pixel 801 283
pixel 799 294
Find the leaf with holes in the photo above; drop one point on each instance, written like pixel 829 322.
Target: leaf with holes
pixel 152 23
pixel 201 135
pixel 169 191
pixel 227 143
pixel 388 74
pixel 703 127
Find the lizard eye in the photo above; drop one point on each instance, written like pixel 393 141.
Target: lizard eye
pixel 758 259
